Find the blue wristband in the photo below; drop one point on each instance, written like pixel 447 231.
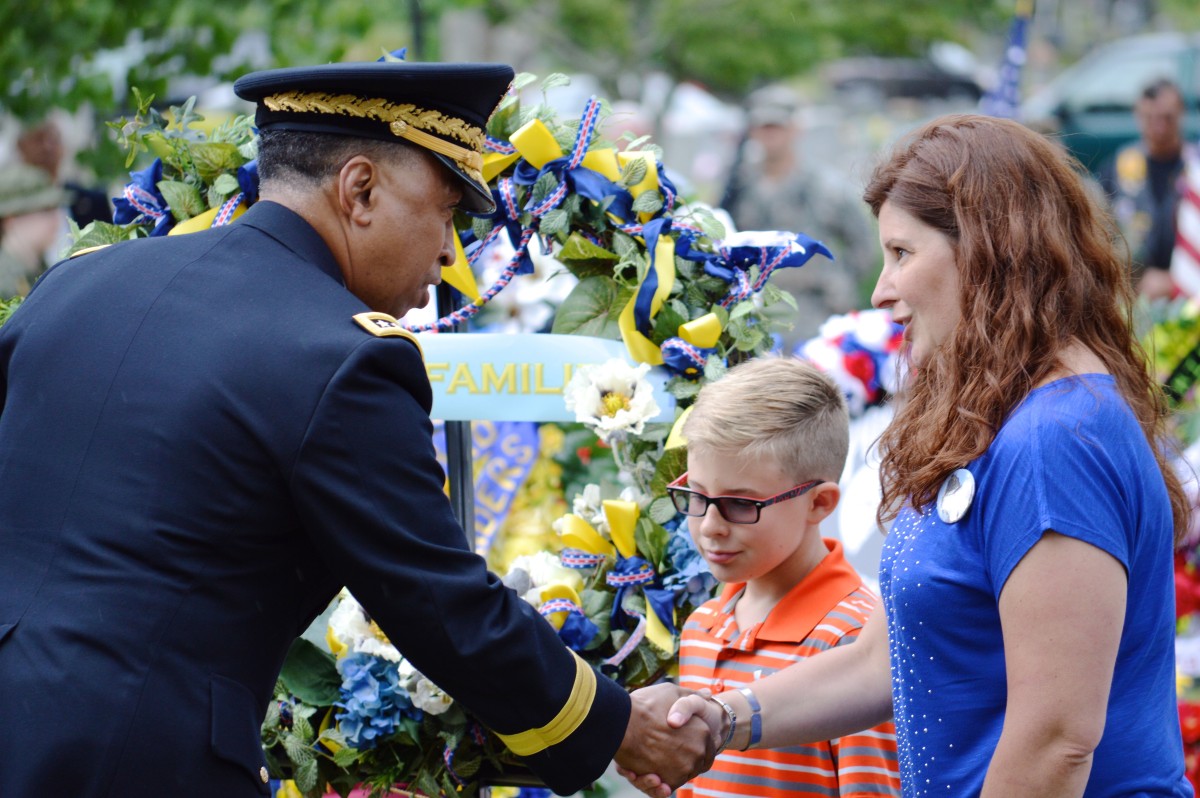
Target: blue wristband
pixel 755 717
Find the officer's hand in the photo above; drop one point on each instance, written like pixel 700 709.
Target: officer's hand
pixel 656 756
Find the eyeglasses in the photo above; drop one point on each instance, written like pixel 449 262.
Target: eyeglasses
pixel 734 509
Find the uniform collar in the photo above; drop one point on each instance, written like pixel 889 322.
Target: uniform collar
pixel 292 231
pixel 804 606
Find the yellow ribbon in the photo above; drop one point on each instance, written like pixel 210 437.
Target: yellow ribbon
pixel 496 162
pixel 579 534
pixel 459 274
pixel 702 332
pixel 536 143
pixel 204 220
pixel 559 590
pixel 676 438
pixel 622 519
pixel 641 348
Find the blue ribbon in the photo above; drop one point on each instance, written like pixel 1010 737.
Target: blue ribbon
pixel 792 250
pixel 651 230
pixel 658 600
pixel 684 359
pixel 247 177
pixel 142 199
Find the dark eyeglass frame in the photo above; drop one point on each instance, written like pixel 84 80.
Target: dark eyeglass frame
pixel 676 489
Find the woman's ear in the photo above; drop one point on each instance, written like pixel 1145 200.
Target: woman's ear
pixel 825 498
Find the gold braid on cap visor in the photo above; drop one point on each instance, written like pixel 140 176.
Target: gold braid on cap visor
pixel 405 120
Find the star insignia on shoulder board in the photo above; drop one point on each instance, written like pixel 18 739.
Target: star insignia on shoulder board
pixel 383 326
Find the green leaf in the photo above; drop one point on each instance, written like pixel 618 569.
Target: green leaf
pixel 214 157
pixel 556 222
pixel 625 246
pixel 773 294
pixel 672 463
pixel 427 784
pixel 706 221
pixel 666 324
pixel 633 172
pixel 650 201
pixel 297 751
pixel 591 308
pixel 226 184
pixel 306 776
pixel 661 510
pixel 652 541
pixel 683 390
pixel 577 247
pixel 544 186
pixel 310 674
pixel 184 199
pixel 555 80
pixel 741 309
pixel 714 369
pixel 100 234
pixel 302 728
pixel 346 756
pixel 481 227
pixel 522 80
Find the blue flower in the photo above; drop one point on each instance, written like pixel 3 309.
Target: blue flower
pixel 690 578
pixel 372 700
pixel 142 202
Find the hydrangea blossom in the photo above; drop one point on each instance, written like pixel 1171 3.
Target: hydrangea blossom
pixel 690 578
pixel 614 399
pixel 373 702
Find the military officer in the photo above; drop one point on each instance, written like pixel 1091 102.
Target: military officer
pixel 203 437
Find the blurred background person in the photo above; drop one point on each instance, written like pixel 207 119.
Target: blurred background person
pixel 771 189
pixel 1144 181
pixel 41 145
pixel 31 216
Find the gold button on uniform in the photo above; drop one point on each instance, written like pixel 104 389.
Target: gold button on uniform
pixel 262 774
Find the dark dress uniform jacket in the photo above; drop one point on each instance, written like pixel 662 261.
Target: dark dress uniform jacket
pixel 198 448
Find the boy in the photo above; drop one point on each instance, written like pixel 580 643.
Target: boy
pixel 766 446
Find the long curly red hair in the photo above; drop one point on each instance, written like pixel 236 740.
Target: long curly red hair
pixel 1038 270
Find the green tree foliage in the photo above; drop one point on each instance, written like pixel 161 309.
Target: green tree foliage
pixel 65 52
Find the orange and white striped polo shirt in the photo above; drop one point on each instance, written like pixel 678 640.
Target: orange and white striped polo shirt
pixel 826 609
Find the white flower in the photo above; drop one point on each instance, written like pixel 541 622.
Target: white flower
pixel 348 623
pixel 614 398
pixel 544 569
pixel 425 695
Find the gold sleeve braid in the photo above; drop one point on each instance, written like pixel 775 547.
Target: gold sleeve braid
pixel 405 120
pixel 564 724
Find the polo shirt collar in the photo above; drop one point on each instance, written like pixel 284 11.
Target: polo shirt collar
pixel 804 606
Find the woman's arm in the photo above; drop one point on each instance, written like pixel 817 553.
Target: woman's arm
pixel 839 691
pixel 1062 611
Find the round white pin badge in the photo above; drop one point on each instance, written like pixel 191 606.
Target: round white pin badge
pixel 955 496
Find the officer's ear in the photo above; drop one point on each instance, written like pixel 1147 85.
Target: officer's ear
pixel 357 181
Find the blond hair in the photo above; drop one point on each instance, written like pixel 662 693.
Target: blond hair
pixel 777 407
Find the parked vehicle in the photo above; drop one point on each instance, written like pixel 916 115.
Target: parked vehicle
pixel 1090 104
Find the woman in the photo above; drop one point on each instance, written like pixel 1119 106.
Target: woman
pixel 1025 644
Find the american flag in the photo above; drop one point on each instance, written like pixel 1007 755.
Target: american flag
pixel 1185 259
pixel 1002 100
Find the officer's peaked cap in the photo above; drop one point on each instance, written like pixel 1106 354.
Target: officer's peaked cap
pixel 443 108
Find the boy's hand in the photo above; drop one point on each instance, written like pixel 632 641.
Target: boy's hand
pixel 656 756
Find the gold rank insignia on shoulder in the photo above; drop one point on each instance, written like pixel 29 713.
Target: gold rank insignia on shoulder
pixel 383 325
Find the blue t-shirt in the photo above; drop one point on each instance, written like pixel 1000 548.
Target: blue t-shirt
pixel 1073 459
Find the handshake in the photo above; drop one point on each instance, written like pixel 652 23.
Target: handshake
pixel 673 736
